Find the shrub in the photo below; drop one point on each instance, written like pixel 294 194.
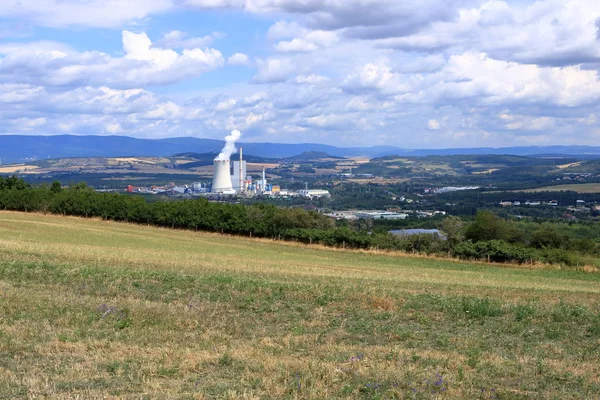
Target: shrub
pixel 494 250
pixel 559 257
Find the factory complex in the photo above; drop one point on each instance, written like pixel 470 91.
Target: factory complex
pixel 228 182
pixel 230 179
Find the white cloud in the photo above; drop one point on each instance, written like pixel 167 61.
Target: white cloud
pixel 312 79
pixel 182 40
pixel 113 128
pixel 489 72
pixel 142 64
pixel 547 32
pixel 298 45
pixel 433 125
pixel 360 103
pixel 226 104
pixel 478 75
pixel 527 123
pixel 89 13
pixel 238 59
pixel 326 121
pixel 285 30
pixel 377 76
pixel 17 93
pixel 359 18
pixel 273 70
pixel 255 98
pixel 167 110
pixel 252 118
pixel 215 3
pixel 481 80
pixel 309 41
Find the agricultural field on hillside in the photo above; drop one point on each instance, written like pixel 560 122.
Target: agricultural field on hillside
pixel 96 309
pixel 577 187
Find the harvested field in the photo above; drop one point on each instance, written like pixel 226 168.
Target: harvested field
pixel 577 187
pixel 9 169
pixel 93 309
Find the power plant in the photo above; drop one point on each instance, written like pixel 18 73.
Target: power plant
pixel 228 181
pixel 236 181
pixel 224 181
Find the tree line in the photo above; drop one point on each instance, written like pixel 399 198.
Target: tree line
pixel 488 237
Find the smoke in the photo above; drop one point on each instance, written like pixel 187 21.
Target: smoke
pixel 229 148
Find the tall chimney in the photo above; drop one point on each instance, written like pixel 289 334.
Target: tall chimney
pixel 241 173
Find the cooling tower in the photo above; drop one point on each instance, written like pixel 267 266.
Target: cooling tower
pixel 222 178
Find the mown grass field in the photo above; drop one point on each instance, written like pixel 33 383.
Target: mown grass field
pixel 92 309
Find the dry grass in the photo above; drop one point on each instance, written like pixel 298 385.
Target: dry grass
pixel 94 309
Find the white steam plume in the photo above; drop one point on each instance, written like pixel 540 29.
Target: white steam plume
pixel 229 148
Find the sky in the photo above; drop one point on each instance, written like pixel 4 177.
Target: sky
pixel 412 74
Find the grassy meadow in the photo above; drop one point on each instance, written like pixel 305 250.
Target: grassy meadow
pixel 92 309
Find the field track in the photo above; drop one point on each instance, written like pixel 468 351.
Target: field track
pixel 95 309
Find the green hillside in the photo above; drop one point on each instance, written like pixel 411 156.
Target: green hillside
pixel 94 309
pixel 454 165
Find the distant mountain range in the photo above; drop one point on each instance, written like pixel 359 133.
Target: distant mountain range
pixel 17 148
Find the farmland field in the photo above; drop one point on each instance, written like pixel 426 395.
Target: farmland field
pixel 94 309
pixel 576 187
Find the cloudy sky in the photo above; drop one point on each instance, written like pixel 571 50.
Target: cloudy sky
pixel 415 74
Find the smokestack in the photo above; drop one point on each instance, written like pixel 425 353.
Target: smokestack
pixel 241 173
pixel 264 180
pixel 221 177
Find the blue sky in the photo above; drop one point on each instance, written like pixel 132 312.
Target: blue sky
pixel 419 74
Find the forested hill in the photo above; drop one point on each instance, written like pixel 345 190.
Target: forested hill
pixel 17 148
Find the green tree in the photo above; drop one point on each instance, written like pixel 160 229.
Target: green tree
pixel 454 228
pixel 486 226
pixel 55 187
pixel 549 236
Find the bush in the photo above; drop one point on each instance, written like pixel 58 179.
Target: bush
pixel 559 257
pixel 548 236
pixel 494 250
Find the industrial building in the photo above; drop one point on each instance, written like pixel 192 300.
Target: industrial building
pixel 239 179
pixel 314 193
pixel 381 215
